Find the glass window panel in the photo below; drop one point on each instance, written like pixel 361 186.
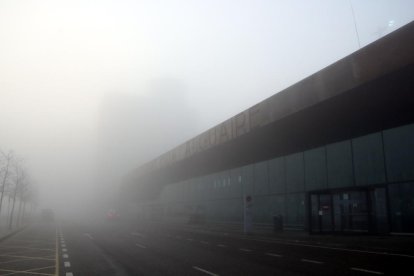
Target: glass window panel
pixel 277 175
pixel 295 178
pixel 399 153
pixel 261 179
pixel 316 176
pixel 247 179
pixel 339 161
pixel 368 159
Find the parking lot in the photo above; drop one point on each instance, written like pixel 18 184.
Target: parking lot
pixel 32 251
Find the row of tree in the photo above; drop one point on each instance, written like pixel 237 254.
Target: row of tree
pixel 16 190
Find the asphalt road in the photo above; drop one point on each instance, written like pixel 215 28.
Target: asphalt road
pixel 113 248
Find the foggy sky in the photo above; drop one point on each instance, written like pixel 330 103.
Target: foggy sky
pixel 91 89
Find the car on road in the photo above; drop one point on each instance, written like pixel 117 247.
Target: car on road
pixel 112 214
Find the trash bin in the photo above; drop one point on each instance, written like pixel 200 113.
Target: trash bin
pixel 278 223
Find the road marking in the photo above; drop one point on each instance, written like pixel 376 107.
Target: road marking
pixel 330 248
pixel 367 271
pixel 63 245
pixel 273 255
pixel 205 271
pixel 221 245
pixel 88 235
pixel 244 249
pixel 67 264
pixel 311 261
pixel 140 245
pixel 65 256
pixel 64 250
pixel 190 240
pixel 56 253
pixel 137 234
pixel 25 247
pixel 69 274
pixel 204 242
pixel 27 257
pixel 29 271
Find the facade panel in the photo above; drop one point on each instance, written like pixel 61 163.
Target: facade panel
pixel 234 210
pixel 295 173
pixel 399 153
pixel 339 161
pixel 316 175
pixel 368 159
pixel 261 209
pixel 235 182
pixel 295 210
pixel 225 178
pixel 402 207
pixel 247 179
pixel 277 176
pixel 277 206
pixel 261 179
pixel 208 187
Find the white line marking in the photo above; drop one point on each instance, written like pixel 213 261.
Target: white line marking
pixel 137 234
pixel 205 271
pixel 311 261
pixel 221 245
pixel 204 242
pixel 140 245
pixel 190 240
pixel 331 248
pixel 367 271
pixel 65 256
pixel 67 264
pixel 88 235
pixel 273 255
pixel 64 250
pixel 244 249
pixel 63 245
pixel 69 274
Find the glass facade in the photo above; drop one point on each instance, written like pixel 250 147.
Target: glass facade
pixel 355 185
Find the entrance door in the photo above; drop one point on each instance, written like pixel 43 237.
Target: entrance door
pixel 321 213
pixel 352 211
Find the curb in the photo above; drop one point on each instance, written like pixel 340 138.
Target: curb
pixel 9 235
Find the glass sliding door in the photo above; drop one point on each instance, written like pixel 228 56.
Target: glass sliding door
pixel 321 213
pixel 349 211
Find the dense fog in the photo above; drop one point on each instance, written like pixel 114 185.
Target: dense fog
pixel 90 90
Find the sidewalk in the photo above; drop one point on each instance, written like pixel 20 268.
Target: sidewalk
pixel 5 232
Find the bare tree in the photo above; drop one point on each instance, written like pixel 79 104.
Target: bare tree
pixel 23 193
pixel 5 172
pixel 19 178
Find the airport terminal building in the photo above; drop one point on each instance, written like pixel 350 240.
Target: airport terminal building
pixel 331 153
